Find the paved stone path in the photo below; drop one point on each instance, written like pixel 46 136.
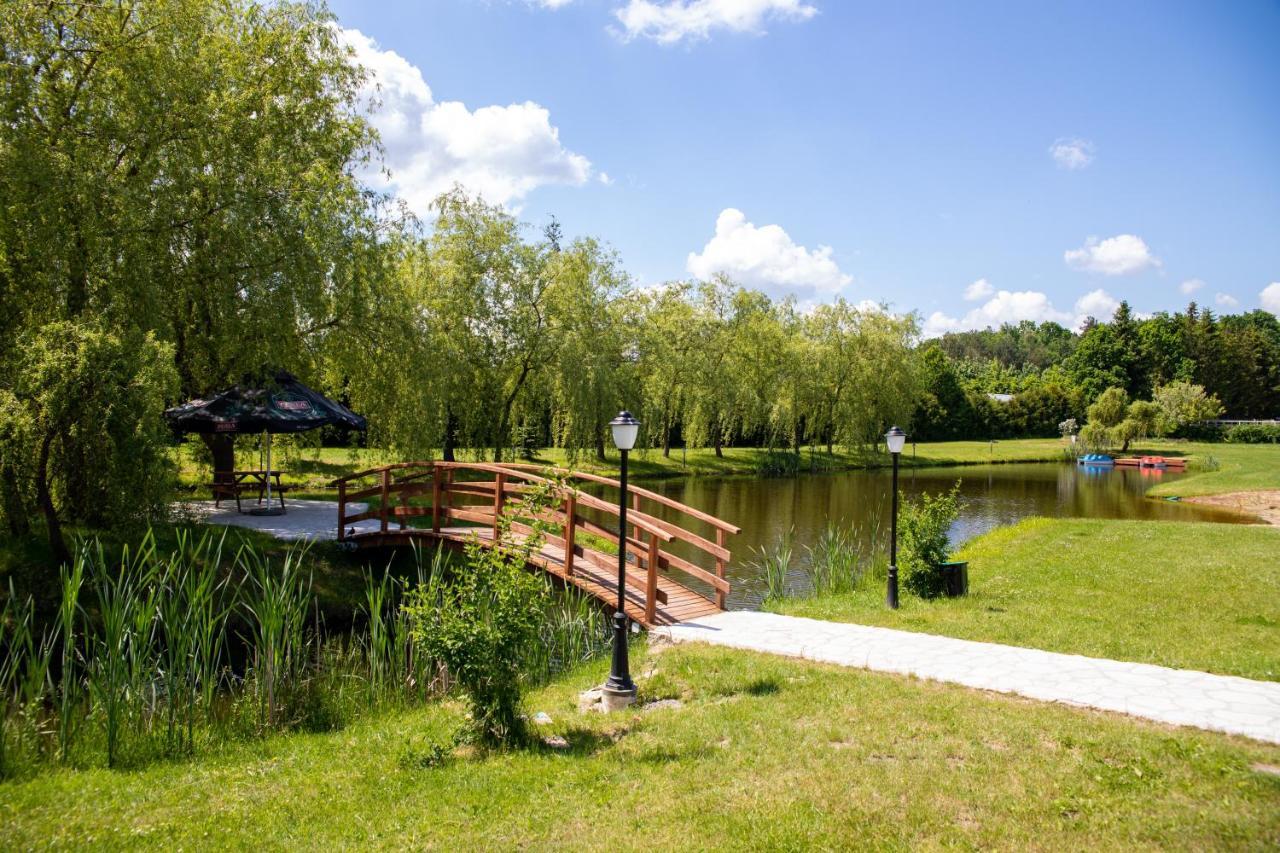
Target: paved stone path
pixel 303 519
pixel 1221 703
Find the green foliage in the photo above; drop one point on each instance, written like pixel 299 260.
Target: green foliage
pixel 483 625
pixel 1253 434
pixel 923 529
pixel 1182 404
pixel 155 655
pixel 83 440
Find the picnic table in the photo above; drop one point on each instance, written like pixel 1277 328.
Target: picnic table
pixel 231 485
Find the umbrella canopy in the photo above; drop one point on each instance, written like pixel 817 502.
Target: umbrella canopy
pixel 282 404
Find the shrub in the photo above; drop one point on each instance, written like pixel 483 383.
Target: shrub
pixel 1253 434
pixel 484 625
pixel 922 535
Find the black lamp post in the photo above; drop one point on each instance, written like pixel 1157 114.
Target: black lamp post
pixel 895 439
pixel 625 429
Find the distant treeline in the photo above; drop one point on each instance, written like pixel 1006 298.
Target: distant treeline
pixel 1055 374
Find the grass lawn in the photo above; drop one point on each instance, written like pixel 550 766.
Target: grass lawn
pixel 309 470
pixel 1241 468
pixel 765 753
pixel 1183 594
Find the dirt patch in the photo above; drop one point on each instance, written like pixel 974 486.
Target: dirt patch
pixel 1265 505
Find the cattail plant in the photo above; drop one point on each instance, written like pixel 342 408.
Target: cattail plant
pixel 274 601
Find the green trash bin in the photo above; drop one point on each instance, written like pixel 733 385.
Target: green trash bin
pixel 955 578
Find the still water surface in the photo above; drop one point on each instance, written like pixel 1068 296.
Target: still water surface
pixel 993 495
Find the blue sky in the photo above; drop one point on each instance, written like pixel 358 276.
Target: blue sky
pixel 900 152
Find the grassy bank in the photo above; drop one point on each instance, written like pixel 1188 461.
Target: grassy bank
pixel 764 753
pixel 1239 468
pixel 1182 594
pixel 310 470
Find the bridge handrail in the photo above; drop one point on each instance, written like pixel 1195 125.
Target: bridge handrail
pixel 640 520
pixel 436 477
pixel 644 493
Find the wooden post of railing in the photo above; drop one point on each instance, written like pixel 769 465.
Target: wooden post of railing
pixel 499 485
pixel 570 510
pixel 720 568
pixel 342 510
pixel 404 508
pixel 386 495
pixel 635 505
pixel 436 494
pixel 651 586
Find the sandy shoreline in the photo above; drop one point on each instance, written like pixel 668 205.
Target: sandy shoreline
pixel 1264 504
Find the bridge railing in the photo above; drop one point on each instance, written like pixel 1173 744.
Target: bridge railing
pixel 476 494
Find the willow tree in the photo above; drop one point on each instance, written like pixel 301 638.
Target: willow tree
pixel 488 294
pixel 184 168
pixel 665 336
pixel 593 370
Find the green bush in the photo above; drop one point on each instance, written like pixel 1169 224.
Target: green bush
pixel 483 626
pixel 1253 434
pixel 923 545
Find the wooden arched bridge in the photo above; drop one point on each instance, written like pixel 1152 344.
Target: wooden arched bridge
pixel 674 572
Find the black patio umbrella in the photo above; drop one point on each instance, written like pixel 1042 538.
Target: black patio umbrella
pixel 280 404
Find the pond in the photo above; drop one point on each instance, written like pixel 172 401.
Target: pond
pixel 993 495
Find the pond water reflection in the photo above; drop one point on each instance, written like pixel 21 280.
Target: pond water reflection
pixel 994 495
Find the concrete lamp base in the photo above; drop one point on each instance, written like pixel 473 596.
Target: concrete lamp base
pixel 604 700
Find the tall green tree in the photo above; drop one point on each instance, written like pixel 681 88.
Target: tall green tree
pixel 185 168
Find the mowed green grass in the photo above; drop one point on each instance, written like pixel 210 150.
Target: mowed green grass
pixel 1191 595
pixel 765 753
pixel 1241 466
pixel 309 470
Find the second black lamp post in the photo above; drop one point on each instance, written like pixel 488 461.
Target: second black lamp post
pixel 895 439
pixel 625 429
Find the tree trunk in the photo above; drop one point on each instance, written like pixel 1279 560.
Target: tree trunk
pixel 450 433
pixel 15 509
pixel 719 448
pixel 57 544
pixel 600 445
pixel 222 447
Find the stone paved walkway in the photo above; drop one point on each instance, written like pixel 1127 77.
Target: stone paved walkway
pixel 1181 697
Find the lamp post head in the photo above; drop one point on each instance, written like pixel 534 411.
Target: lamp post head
pixel 625 429
pixel 895 438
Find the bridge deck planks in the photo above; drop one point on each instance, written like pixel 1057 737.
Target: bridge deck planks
pixel 682 603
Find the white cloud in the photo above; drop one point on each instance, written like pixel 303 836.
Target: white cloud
pixel 1072 153
pixel 1270 298
pixel 1119 255
pixel 766 257
pixel 980 289
pixel 501 152
pixel 1190 286
pixel 1097 304
pixel 1017 306
pixel 1005 307
pixel 1225 300
pixel 552 4
pixel 675 20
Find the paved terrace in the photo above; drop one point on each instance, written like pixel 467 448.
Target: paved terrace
pixel 1220 703
pixel 304 519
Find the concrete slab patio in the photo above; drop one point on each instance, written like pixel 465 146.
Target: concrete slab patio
pixel 1180 697
pixel 304 519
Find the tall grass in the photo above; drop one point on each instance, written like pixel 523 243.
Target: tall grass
pixel 156 655
pixel 840 561
pixel 773 563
